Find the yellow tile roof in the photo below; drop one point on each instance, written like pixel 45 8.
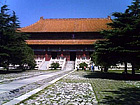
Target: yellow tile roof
pixel 68 25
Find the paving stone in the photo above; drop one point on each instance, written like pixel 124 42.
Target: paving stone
pixel 67 93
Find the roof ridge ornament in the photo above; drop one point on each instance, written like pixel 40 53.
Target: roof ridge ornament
pixel 109 17
pixel 41 18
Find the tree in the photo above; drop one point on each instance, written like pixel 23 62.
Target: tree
pixel 103 56
pixel 55 65
pixel 134 44
pixel 122 42
pixel 4 28
pixel 13 48
pixel 83 65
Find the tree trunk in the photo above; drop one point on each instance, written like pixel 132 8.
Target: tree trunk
pixel 125 70
pixel 101 69
pixel 7 69
pixel 105 69
pixel 133 69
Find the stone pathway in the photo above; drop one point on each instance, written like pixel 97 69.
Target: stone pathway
pixel 17 88
pixel 20 83
pixel 5 78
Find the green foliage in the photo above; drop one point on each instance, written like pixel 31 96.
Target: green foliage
pixel 55 65
pixel 122 42
pixel 82 65
pixel 13 48
pixel 26 57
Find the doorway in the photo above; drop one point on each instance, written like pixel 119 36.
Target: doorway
pixel 72 56
pixel 54 55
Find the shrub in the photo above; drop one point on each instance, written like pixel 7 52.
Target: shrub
pixel 82 65
pixel 55 65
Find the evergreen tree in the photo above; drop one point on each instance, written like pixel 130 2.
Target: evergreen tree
pixel 123 40
pixel 134 44
pixel 4 28
pixel 103 56
pixel 14 50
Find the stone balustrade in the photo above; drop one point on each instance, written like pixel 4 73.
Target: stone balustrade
pixel 120 66
pixel 39 62
pixel 82 60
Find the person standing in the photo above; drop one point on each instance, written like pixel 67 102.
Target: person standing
pixel 92 68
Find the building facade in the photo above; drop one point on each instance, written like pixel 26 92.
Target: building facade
pixel 67 38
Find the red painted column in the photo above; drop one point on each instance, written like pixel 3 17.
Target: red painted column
pixel 62 55
pixel 46 57
pixel 84 54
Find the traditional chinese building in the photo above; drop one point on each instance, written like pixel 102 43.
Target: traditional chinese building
pixel 70 38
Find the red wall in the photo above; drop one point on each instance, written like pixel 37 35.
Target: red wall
pixel 66 55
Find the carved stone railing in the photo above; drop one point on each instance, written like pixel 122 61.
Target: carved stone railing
pixel 39 62
pixel 82 60
pixel 120 66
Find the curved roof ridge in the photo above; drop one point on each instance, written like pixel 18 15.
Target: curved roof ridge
pixel 61 19
pixel 72 18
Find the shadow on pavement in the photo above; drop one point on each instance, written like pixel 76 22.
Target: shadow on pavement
pixel 124 96
pixel 114 76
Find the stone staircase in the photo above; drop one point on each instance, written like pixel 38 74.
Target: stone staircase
pixel 44 66
pixel 69 65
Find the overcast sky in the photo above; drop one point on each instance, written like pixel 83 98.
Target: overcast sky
pixel 30 11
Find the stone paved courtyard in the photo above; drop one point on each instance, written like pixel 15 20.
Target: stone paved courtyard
pixel 75 89
pixel 65 93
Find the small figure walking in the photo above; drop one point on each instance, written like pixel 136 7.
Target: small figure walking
pixel 85 68
pixel 92 68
